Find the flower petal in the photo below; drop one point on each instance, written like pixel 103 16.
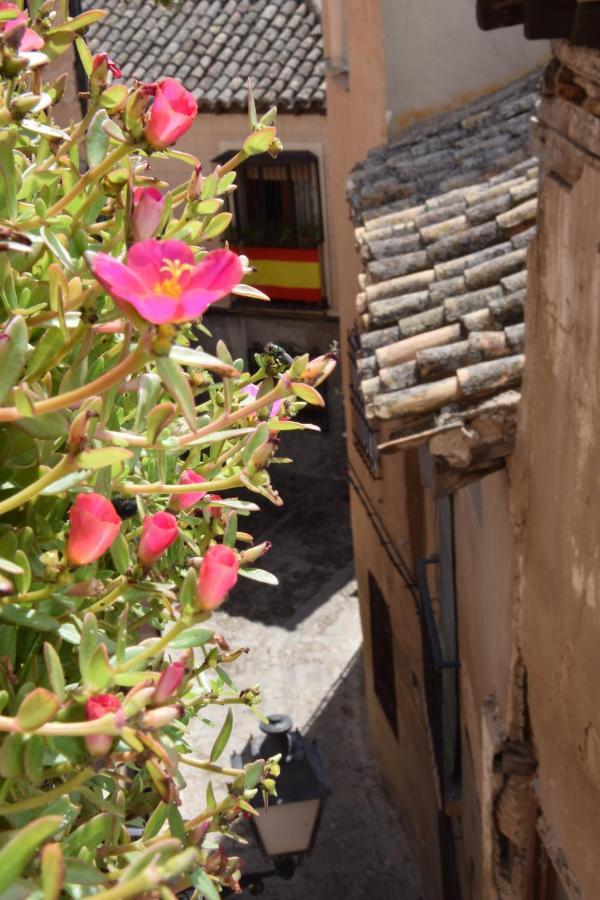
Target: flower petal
pixel 158 308
pixel 118 279
pixel 147 258
pixel 219 271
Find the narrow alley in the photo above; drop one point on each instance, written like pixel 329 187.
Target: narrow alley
pixel 305 639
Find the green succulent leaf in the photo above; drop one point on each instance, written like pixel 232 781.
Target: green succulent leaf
pixel 17 852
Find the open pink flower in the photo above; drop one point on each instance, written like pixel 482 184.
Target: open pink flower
pixel 31 40
pixel 162 281
pixel 158 533
pixel 218 574
pixel 94 526
pixel 148 208
pixel 184 501
pixel 96 708
pixel 252 391
pixel 171 114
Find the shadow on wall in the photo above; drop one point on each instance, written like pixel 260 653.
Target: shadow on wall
pixel 361 850
pixel 310 533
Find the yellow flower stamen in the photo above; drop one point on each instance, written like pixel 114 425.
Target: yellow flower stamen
pixel 171 287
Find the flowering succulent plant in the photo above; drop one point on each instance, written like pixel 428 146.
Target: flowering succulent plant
pixel 125 453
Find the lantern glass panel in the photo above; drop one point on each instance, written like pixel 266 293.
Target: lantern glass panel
pixel 287 828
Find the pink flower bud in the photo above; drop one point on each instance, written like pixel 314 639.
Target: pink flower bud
pixel 159 532
pixel 161 716
pixel 96 708
pixel 214 509
pixel 94 526
pixel 169 682
pixel 171 114
pixel 184 501
pixel 218 574
pixel 148 208
pixel 102 63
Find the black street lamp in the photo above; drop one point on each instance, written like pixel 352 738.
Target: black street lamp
pixel 286 831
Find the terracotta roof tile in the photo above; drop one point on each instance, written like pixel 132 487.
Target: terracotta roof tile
pixel 444 215
pixel 215 46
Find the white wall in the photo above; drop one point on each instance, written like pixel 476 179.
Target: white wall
pixel 437 57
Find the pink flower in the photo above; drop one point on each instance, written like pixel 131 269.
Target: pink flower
pixel 218 574
pixel 159 532
pixel 31 40
pixel 169 682
pixel 94 526
pixel 148 208
pixel 252 391
pixel 171 114
pixel 104 60
pixel 162 281
pixel 95 708
pixel 184 501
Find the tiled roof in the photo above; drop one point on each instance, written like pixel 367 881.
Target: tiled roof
pixel 447 212
pixel 214 46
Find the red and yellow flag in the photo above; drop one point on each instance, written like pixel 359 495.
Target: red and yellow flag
pixel 285 273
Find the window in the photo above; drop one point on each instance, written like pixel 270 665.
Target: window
pixel 382 653
pixel 366 438
pixel 279 225
pixel 440 654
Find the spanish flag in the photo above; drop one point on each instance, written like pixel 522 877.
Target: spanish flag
pixel 285 273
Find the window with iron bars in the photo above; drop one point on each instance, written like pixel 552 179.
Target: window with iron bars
pixel 366 438
pixel 382 653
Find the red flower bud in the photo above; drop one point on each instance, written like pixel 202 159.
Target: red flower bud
pixel 184 501
pixel 169 682
pixel 218 574
pixel 148 207
pixel 171 114
pixel 103 61
pixel 159 532
pixel 94 526
pixel 96 707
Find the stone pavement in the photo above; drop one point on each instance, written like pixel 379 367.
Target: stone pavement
pixel 305 639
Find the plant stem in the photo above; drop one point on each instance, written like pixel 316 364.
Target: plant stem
pixel 32 490
pixel 70 398
pixel 134 888
pixel 42 799
pixel 233 163
pixel 222 484
pixel 208 766
pixel 106 725
pixel 155 648
pixel 208 814
pixel 90 177
pixel 112 595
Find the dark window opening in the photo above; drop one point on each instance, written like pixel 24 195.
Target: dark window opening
pixel 366 438
pixel 440 655
pixel 382 653
pixel 278 223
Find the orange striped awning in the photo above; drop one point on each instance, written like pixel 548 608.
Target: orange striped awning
pixel 285 273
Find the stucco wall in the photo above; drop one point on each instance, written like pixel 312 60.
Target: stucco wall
pixel 485 598
pixel 436 56
pixel 556 471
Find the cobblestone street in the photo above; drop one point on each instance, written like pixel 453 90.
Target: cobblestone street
pixel 305 641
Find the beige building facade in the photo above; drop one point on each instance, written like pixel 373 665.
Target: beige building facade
pixel 471 374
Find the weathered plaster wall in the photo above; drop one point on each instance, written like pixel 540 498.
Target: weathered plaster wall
pixel 554 487
pixel 557 481
pixel 407 760
pixel 437 57
pixel 484 558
